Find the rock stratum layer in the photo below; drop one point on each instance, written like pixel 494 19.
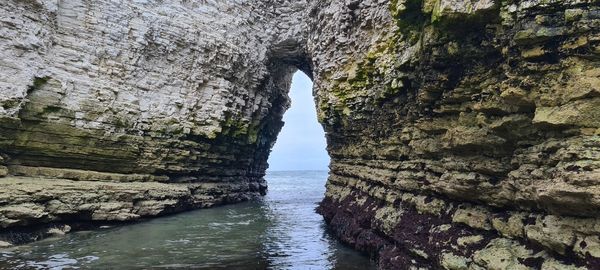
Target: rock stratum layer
pixel 124 110
pixel 464 134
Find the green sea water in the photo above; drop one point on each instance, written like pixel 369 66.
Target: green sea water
pixel 279 231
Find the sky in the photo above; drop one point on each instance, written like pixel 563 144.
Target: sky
pixel 301 144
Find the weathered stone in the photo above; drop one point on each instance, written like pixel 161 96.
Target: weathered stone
pixel 511 227
pixel 457 9
pixel 502 254
pixel 583 113
pixel 61 230
pixel 454 262
pixel 552 264
pixel 550 236
pixel 29 201
pixel 588 245
pixel 497 108
pixel 83 175
pixel 445 119
pixel 474 217
pixel 469 240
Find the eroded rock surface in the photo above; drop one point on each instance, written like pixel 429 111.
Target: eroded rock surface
pixel 43 200
pixel 113 111
pixel 463 134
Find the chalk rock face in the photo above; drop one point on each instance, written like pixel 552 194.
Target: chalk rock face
pixel 464 134
pixel 188 94
pixel 114 111
pixel 178 89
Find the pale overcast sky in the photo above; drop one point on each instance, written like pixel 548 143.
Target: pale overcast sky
pixel 301 143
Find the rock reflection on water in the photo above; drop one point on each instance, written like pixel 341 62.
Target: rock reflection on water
pixel 280 231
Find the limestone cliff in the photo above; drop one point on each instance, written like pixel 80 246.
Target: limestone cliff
pixel 121 110
pixel 464 134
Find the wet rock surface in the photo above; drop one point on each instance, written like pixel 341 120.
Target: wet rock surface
pixel 34 208
pixel 463 134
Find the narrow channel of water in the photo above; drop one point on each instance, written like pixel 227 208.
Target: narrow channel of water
pixel 279 231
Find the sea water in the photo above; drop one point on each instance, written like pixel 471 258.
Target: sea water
pixel 278 231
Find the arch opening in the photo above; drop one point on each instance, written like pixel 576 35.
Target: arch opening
pixel 301 144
